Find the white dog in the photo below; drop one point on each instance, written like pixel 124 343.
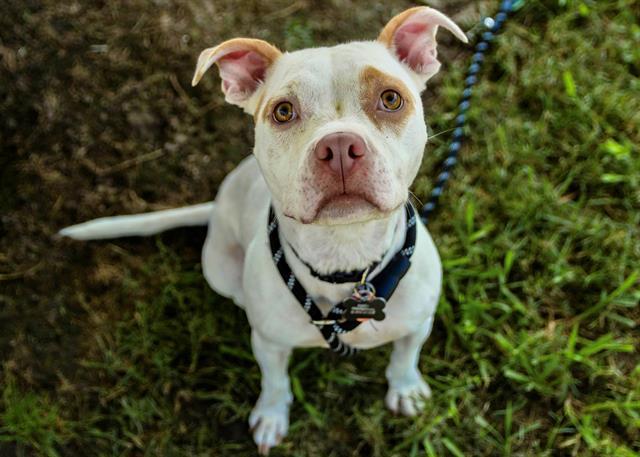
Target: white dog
pixel 302 232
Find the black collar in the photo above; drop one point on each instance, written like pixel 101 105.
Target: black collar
pixel 385 283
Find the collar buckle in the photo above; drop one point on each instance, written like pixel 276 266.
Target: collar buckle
pixel 323 322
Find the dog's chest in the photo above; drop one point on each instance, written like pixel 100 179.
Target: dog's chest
pixel 287 322
pixel 274 311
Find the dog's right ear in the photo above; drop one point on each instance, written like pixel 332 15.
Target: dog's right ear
pixel 243 64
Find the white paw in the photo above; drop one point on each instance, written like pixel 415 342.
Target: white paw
pixel 269 426
pixel 408 398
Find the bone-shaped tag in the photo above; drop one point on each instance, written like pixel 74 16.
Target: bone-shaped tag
pixel 363 309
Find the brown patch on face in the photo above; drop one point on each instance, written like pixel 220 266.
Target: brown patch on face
pixel 267 111
pixel 374 82
pixel 258 105
pixel 389 30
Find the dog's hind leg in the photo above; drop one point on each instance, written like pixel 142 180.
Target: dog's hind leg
pixel 140 224
pixel 223 258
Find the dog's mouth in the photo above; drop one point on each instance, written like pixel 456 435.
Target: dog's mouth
pixel 343 208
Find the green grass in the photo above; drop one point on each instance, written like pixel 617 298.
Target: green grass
pixel 121 348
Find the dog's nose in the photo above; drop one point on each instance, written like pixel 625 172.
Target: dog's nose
pixel 340 152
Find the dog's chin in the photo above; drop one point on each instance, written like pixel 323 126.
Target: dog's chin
pixel 346 209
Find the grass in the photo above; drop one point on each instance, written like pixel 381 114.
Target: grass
pixel 120 348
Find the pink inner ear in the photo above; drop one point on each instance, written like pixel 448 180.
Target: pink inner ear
pixel 415 44
pixel 241 72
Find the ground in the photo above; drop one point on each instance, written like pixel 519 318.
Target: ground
pixel 120 348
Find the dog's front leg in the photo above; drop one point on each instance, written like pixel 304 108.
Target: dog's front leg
pixel 270 417
pixel 407 389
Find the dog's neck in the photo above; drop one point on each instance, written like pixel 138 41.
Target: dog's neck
pixel 328 249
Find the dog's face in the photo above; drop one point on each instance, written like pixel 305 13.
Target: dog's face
pixel 340 131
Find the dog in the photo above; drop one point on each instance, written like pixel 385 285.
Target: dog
pixel 301 229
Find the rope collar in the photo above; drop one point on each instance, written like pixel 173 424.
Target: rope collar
pixel 338 277
pixel 338 320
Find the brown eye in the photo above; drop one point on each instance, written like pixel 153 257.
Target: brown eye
pixel 283 112
pixel 391 100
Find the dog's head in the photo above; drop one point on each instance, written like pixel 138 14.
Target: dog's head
pixel 339 131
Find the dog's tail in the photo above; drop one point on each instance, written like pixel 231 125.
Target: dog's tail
pixel 140 224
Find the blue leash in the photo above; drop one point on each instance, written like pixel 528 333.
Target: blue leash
pixel 493 27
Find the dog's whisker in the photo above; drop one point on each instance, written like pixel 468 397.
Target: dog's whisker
pixel 415 200
pixel 442 132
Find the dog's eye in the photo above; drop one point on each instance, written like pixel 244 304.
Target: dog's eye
pixel 390 100
pixel 283 112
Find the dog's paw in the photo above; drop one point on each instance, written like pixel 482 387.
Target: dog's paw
pixel 408 398
pixel 269 426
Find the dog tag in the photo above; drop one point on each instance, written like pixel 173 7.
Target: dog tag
pixel 363 304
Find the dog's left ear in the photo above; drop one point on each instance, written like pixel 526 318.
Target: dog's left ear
pixel 411 36
pixel 243 64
